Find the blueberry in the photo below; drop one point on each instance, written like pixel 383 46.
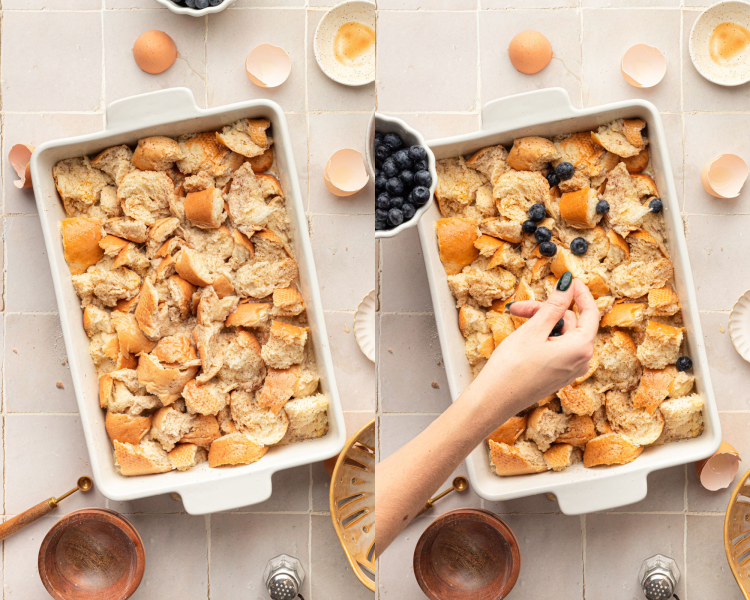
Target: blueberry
pixel 537 212
pixel 655 205
pixel 543 235
pixel 420 195
pixel 547 248
pixel 408 210
pixel 423 178
pixel 393 140
pixel 215 2
pixel 389 168
pixel 559 325
pixel 528 226
pixel 407 178
pixel 417 153
pixel 381 214
pixel 684 363
pixel 378 138
pixel 602 207
pixel 579 246
pixel 402 160
pixel 380 182
pixel 190 3
pixel 382 152
pixel 553 179
pixel 397 202
pixel 383 201
pixel 565 171
pixel 420 165
pixel 380 225
pixel 201 4
pixel 394 186
pixel 395 216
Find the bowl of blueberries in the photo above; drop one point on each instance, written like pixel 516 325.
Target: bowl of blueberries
pixel 404 171
pixel 196 8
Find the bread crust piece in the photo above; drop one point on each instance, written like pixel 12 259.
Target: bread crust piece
pixel 636 425
pixel 456 237
pixel 246 137
pixel 579 208
pixel 261 164
pixel 206 399
pixel 132 230
pixel 249 314
pixel 483 286
pixel 243 365
pixel 308 418
pixel 517 191
pixel 80 238
pixel 636 279
pixel 201 152
pixel 683 418
pixel 509 431
pixel 630 314
pixel 79 184
pixel 581 399
pixel 156 153
pixel 145 195
pixel 545 426
pixel 531 153
pixel 654 388
pixel 522 458
pixel 661 346
pixel 610 449
pixel 561 456
pixel 502 228
pixel 127 428
pixel 619 366
pixel 580 430
pixel 116 162
pixel 625 210
pixel 637 163
pixel 457 185
pixel 492 162
pixel 621 137
pixel 205 209
pixel 164 382
pixel 204 431
pixel 146 458
pixel 261 425
pixel 285 345
pixel 234 449
pixel 187 456
pixel 663 302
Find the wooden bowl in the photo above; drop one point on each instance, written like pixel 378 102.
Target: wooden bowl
pixel 92 554
pixel 467 554
pixel 737 534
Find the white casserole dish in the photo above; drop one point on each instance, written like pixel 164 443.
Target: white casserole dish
pixel 173 112
pixel 578 490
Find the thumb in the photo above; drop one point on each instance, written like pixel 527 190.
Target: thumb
pixel 554 308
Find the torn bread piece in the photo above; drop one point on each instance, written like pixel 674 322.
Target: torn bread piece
pixel 156 153
pixel 234 449
pixel 561 456
pixel 285 346
pixel 247 137
pixel 610 449
pixel 522 458
pixel 545 426
pixel 187 456
pixel 622 137
pixel 531 153
pixel 661 346
pixel 308 418
pixel 146 458
pixel 79 184
pixel 457 185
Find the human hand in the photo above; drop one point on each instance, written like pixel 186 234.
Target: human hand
pixel 529 364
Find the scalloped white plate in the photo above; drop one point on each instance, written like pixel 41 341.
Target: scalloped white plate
pixel 364 325
pixel 739 325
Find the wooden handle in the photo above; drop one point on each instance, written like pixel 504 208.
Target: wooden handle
pixel 18 522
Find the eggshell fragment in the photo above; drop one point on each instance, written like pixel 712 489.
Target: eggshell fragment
pixel 345 173
pixel 529 52
pixel 19 157
pixel 724 176
pixel 268 66
pixel 154 52
pixel 719 470
pixel 643 66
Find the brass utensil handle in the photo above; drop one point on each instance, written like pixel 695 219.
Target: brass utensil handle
pixel 27 517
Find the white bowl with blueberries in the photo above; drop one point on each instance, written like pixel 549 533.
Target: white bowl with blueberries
pixel 404 171
pixel 196 8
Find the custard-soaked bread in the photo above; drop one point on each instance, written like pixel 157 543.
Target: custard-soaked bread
pixel 79 184
pixel 285 346
pixel 519 459
pixel 610 449
pixel 654 387
pixel 561 456
pixel 619 367
pixel 126 228
pixel 663 302
pixel 683 418
pixel 170 425
pixel 278 388
pixel 545 426
pixel 206 399
pixel 204 431
pixel 246 137
pixel 636 279
pixel 234 449
pixel 661 346
pixel 260 279
pixel 579 431
pixel 645 186
pixel 622 137
pixel 187 456
pixel 638 163
pixel 502 228
pixel 145 195
pixel 580 151
pixel 472 320
pixel 531 153
pixel 501 326
pixel 242 368
pixel 629 314
pixel 478 347
pixel 146 458
pixel 581 398
pixel 517 191
pixel 106 286
pixel 625 210
pixel 308 418
pixel 579 208
pixel 116 162
pixel 157 153
pixel 492 162
pixel 127 428
pixel 261 425
pixel 457 185
pixel 205 209
pixel 509 431
pixel 508 257
pixel 248 210
pixel 483 286
pixel 81 237
pixel 201 152
pixel 456 242
pixel 636 425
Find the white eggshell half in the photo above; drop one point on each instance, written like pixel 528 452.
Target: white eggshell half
pixel 719 470
pixel 268 66
pixel 345 172
pixel 19 157
pixel 643 66
pixel 724 176
pixel 364 325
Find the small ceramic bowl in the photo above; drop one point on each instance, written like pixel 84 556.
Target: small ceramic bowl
pixel 735 72
pixel 184 10
pixel 468 553
pixel 92 554
pixel 411 137
pixel 358 11
pixel 739 326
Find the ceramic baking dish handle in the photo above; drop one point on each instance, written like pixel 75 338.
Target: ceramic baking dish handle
pixel 226 494
pixel 602 494
pixel 523 110
pixel 173 104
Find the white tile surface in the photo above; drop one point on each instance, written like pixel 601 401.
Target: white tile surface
pixel 28 279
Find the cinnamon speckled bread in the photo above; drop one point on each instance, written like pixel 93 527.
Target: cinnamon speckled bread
pixel 623 401
pixel 181 253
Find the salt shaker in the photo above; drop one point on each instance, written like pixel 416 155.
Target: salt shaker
pixel 658 577
pixel 283 576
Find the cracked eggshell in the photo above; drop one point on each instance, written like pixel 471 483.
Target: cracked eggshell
pixel 345 173
pixel 643 66
pixel 719 470
pixel 724 176
pixel 268 66
pixel 19 157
